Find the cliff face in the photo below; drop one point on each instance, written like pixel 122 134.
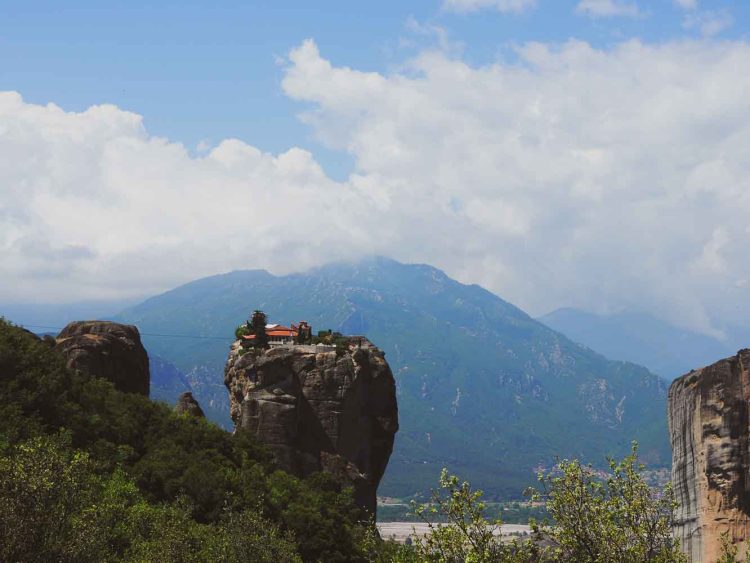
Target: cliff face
pixel 318 411
pixel 710 431
pixel 109 350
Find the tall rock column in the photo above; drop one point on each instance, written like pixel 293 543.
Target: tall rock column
pixel 709 430
pixel 318 411
pixel 109 350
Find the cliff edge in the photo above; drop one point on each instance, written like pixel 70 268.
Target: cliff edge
pixel 709 429
pixel 332 411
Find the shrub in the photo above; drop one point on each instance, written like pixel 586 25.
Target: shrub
pixel 141 458
pixel 618 518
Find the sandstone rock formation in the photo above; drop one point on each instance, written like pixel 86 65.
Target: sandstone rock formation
pixel 709 429
pixel 186 403
pixel 318 411
pixel 109 350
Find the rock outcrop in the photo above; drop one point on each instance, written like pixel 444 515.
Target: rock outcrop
pixel 318 411
pixel 710 434
pixel 186 403
pixel 109 350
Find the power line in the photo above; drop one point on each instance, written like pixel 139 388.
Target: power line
pixel 194 336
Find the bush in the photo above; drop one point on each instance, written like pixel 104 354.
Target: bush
pixel 46 494
pixel 54 507
pixel 143 458
pixel 466 535
pixel 619 518
pixel 242 330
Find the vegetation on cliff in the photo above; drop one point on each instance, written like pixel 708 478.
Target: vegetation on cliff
pixel 88 473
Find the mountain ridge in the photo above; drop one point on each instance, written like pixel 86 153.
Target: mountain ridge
pixel 485 389
pixel 639 337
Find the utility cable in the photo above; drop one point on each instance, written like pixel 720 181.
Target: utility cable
pixel 194 336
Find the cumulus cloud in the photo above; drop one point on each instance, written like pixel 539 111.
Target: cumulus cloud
pixel 498 5
pixel 93 206
pixel 607 8
pixel 607 179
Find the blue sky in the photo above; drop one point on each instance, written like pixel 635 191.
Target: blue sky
pixel 585 153
pixel 205 71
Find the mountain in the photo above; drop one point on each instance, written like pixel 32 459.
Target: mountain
pixel 483 388
pixel 639 338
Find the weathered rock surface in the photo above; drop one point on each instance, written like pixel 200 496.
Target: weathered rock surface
pixel 319 411
pixel 186 403
pixel 109 350
pixel 710 431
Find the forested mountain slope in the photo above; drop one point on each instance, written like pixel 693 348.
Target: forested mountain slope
pixel 483 388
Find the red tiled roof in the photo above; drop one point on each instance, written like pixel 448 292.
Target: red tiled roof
pixel 284 332
pixel 277 331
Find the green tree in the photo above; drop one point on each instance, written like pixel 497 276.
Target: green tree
pixel 729 550
pixel 613 518
pixel 616 518
pixel 242 330
pixel 134 460
pixel 54 507
pixel 257 327
pixel 466 535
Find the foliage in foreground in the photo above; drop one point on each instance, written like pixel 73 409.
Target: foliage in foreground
pixel 468 535
pixel 191 482
pixel 729 550
pixel 619 518
pixel 616 519
pixel 55 507
pixel 128 480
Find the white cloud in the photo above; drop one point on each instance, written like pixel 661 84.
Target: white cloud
pixel 93 206
pixel 711 259
pixel 598 178
pixel 687 4
pixel 708 23
pixel 607 8
pixel 435 32
pixel 516 6
pixel 595 178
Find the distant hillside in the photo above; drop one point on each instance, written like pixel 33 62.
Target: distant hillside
pixel 640 338
pixel 483 388
pixel 167 382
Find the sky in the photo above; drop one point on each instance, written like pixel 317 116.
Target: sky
pixel 587 153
